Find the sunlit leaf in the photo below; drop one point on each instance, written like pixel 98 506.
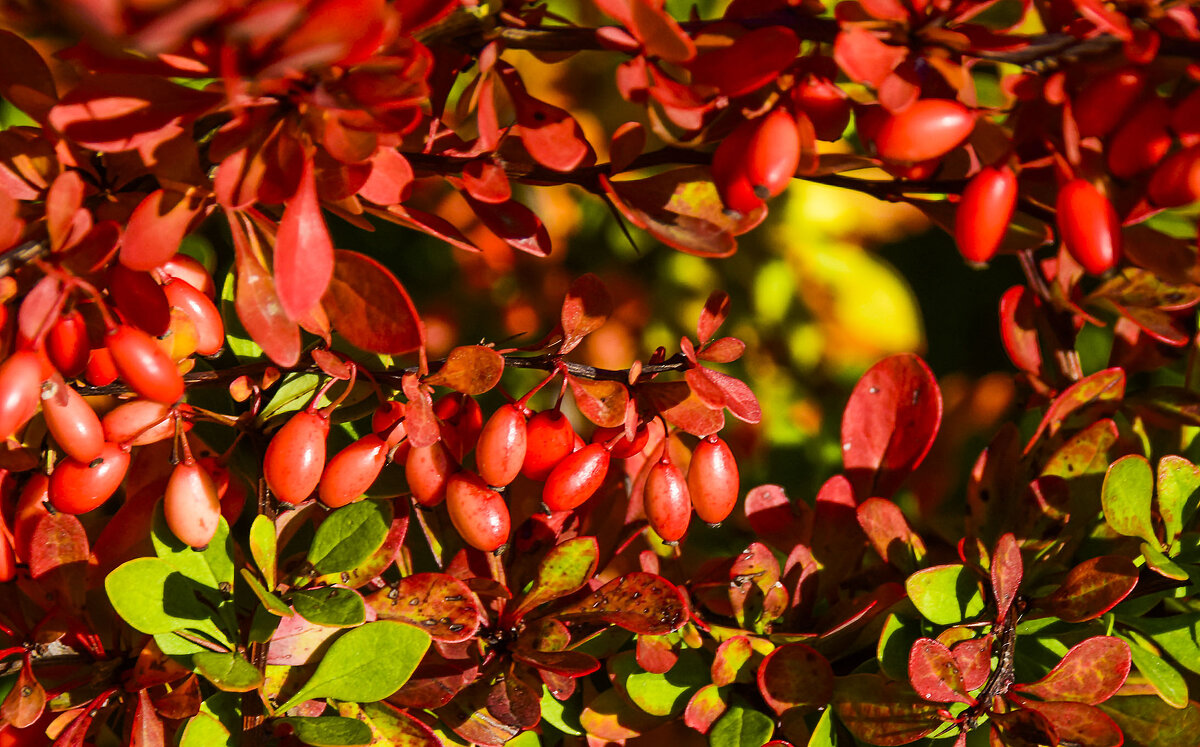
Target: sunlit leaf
pixel 229 672
pixel 934 674
pixel 1104 389
pixel 304 259
pixel 889 533
pixel 390 726
pixel 349 535
pixel 329 731
pixel 945 594
pixel 1092 588
pixel 331 606
pixel 1178 494
pixel 1079 723
pixel 470 369
pixel 565 569
pixel 1091 672
pixel 601 401
pixel 1126 495
pixel 58 539
pixel 585 309
pixel 370 308
pixel 609 716
pixel 741 726
pixel 641 602
pixel 437 603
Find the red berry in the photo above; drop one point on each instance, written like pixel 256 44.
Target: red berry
pixel 1185 119
pixel 100 370
pixel 927 129
pixel 713 480
pixel 729 170
pixel 461 422
pixel 826 105
pixel 199 308
pixel 500 451
pixel 1088 226
pixel 984 212
pixel 576 478
pixel 1142 141
pixel 67 344
pixel 352 470
pixel 20 386
pixel 388 422
pixel 549 439
pixel 773 154
pixel 427 469
pixel 191 506
pixel 618 444
pixel 1176 181
pixel 138 422
pixel 477 512
pixel 1105 99
pixel 231 490
pixel 666 500
pixel 143 365
pixel 78 487
pixel 71 420
pixel 295 457
pixel 191 271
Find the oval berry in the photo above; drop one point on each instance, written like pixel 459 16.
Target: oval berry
pixel 78 487
pixel 1105 99
pixel 143 365
pixel 210 330
pixel 100 369
pixel 576 478
pixel 427 469
pixel 295 457
pixel 1088 226
pixel 618 444
pixel 71 420
pixel 500 451
pixel 1176 181
pixel 713 480
pixel 352 470
pixel 20 386
pixel 549 439
pixel 67 344
pixel 388 422
pixel 927 129
pixel 773 154
pixel 477 512
pixel 983 214
pixel 191 506
pixel 138 422
pixel 826 105
pixel 667 504
pixel 191 271
pixel 1142 141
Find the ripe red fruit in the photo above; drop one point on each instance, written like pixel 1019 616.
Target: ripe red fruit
pixel 713 480
pixel 772 154
pixel 666 500
pixel 826 105
pixel 20 385
pixel 352 470
pixel 8 560
pixel 295 457
pixel 78 487
pixel 427 469
pixel 618 445
pixel 388 421
pixel 1100 105
pixel 231 490
pixel 71 420
pixel 100 370
pixel 191 506
pixel 500 451
pixel 549 439
pixel 1185 119
pixel 191 271
pixel 987 206
pixel 928 128
pixel 1088 226
pixel 729 172
pixel 1176 181
pixel 477 512
pixel 143 365
pixel 576 478
pixel 199 308
pixel 138 422
pixel 462 419
pixel 1142 141
pixel 67 344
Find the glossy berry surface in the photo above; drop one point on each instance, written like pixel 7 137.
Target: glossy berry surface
pixel 576 478
pixel 352 470
pixel 500 451
pixel 143 365
pixel 295 457
pixel 191 506
pixel 549 439
pixel 71 421
pixel 78 487
pixel 927 129
pixel 427 469
pixel 713 480
pixel 667 504
pixel 1089 226
pixel 983 214
pixel 478 513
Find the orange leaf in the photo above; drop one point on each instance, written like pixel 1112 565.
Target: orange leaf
pixel 370 308
pixel 303 260
pixel 470 369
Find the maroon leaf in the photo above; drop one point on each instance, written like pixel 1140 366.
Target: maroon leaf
pixel 140 298
pixel 564 570
pixel 25 80
pixel 1021 728
pixel 627 143
pixel 1104 388
pixel 434 225
pixel 565 663
pixel 1091 672
pixel 795 676
pixel 585 309
pixel 440 604
pixel 712 316
pixel 880 712
pixel 774 517
pixel 24 703
pixel 1007 571
pixel 641 602
pixel 888 532
pixel 470 369
pixel 602 402
pixel 370 308
pixel 303 260
pixel 1092 588
pixel 515 224
pixel 468 715
pixel 147 725
pixel 257 303
pixel 750 62
pixel 156 228
pixel 1078 724
pixel 889 424
pixel 1020 311
pixel 934 673
pixel 58 539
pixel 514 702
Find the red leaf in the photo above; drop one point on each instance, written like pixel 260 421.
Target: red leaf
pixel 147 726
pixel 420 422
pixel 1007 571
pixel 585 309
pixel 712 316
pixel 889 424
pixel 156 228
pixel 755 59
pixel 974 659
pixel 515 224
pixel 879 712
pixel 550 134
pixel 655 654
pixel 602 402
pixel 1019 314
pixel 471 369
pixel 864 57
pixel 390 181
pixel 11 225
pixel 888 532
pixel 565 663
pixel 729 662
pixel 1092 588
pixel 627 143
pixel 704 708
pixel 774 517
pixel 434 225
pixel 25 702
pixel 659 33
pixel 676 402
pixel 370 308
pixel 58 539
pixel 934 673
pixel 1091 672
pixel 641 602
pixel 486 182
pixel 43 302
pixel 724 350
pixel 256 302
pixel 795 676
pixel 1078 724
pixel 734 393
pixel 1104 389
pixel 66 220
pixel 441 605
pixel 25 79
pixel 303 260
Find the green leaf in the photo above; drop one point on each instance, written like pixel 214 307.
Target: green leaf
pixel 291 395
pixel 664 694
pixel 823 734
pixel 263 548
pixel 1178 635
pixel 1149 722
pixel 1178 494
pixel 331 606
pixel 271 602
pixel 364 664
pixel 1126 495
pixel 560 715
pixel 228 672
pixel 1167 680
pixel 329 731
pixel 741 727
pixel 349 535
pixel 566 568
pixel 211 567
pixel 203 730
pixel 391 726
pixel 155 598
pixel 945 594
pixel 895 641
pixel 1158 561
